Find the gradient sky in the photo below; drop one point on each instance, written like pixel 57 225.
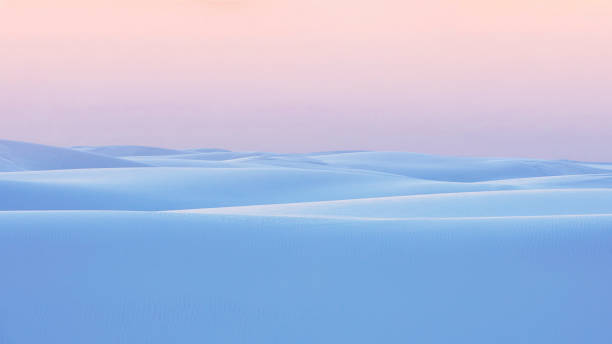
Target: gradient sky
pixel 529 78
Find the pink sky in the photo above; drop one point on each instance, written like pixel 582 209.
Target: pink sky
pixel 472 77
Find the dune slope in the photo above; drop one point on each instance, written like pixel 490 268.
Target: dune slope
pixel 521 203
pixel 141 277
pixel 20 156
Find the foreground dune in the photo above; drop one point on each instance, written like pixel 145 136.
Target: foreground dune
pixel 142 277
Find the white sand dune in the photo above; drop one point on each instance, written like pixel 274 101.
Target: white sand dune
pixel 175 188
pixel 20 156
pixel 213 246
pixel 456 168
pixel 184 188
pixel 515 203
pixel 150 277
pixel 126 151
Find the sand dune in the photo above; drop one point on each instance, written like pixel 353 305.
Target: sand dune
pixel 213 246
pixel 20 156
pixel 521 203
pixel 163 188
pixel 125 151
pixel 149 277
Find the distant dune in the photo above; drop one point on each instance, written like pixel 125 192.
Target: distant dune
pixel 134 151
pixel 457 169
pixel 20 156
pixel 124 151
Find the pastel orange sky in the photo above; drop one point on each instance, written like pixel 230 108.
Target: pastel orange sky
pixel 503 78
